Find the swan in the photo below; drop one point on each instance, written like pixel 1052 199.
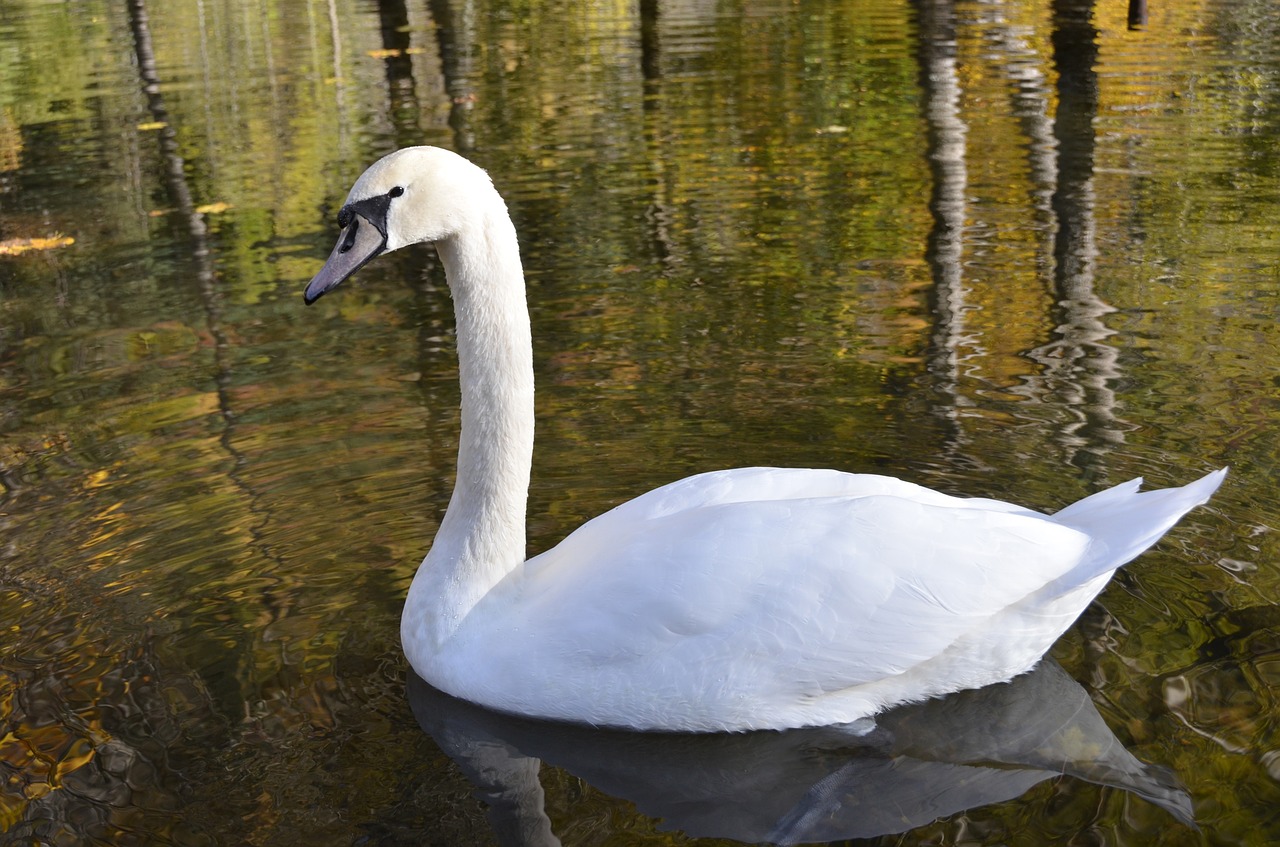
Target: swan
pixel 754 598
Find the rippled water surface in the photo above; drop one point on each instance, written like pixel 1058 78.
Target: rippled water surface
pixel 1011 249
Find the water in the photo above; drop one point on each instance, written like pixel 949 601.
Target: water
pixel 997 248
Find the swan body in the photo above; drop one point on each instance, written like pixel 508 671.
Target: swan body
pixel 755 598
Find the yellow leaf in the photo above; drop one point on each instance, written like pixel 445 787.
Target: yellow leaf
pixel 212 208
pixel 391 52
pixel 18 246
pixel 152 125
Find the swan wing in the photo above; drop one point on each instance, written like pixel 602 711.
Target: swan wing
pixel 860 587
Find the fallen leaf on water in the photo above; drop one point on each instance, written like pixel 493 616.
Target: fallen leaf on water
pixel 391 52
pixel 18 246
pixel 212 208
pixel 150 125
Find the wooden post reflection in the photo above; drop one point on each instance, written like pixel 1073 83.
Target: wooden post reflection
pixel 1137 14
pixel 455 29
pixel 393 24
pixel 650 57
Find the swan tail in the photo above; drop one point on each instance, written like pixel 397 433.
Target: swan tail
pixel 1123 521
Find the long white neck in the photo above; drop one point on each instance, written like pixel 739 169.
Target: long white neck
pixel 482 536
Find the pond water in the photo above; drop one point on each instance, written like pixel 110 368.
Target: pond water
pixel 1009 248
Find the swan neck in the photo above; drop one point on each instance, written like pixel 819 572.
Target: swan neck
pixel 482 536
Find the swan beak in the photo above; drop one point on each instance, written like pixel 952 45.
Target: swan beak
pixel 358 242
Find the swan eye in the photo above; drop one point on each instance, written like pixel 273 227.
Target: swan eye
pixel 395 192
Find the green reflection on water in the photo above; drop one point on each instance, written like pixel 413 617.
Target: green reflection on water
pixel 737 252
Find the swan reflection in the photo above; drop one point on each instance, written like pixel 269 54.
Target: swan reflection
pixel 916 764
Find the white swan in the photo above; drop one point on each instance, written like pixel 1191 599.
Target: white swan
pixel 757 598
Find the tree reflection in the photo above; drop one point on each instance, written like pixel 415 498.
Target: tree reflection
pixel 1080 365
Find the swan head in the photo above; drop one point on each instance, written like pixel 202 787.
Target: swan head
pixel 412 195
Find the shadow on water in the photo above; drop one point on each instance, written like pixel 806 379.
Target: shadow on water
pixel 916 764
